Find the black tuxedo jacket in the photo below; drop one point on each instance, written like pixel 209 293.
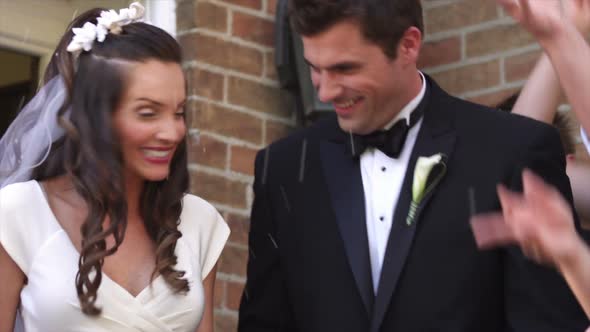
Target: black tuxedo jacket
pixel 309 267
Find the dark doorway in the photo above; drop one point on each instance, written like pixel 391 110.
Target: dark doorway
pixel 18 82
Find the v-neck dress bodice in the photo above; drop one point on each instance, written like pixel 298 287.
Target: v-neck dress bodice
pixel 37 243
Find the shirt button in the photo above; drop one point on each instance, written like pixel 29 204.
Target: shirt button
pixel 381 218
pixel 383 169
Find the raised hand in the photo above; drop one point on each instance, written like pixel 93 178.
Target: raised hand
pixel 578 12
pixel 539 220
pixel 540 17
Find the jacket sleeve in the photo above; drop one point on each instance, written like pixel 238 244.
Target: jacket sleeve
pixel 263 305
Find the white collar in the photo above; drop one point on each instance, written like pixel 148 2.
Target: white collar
pixel 407 110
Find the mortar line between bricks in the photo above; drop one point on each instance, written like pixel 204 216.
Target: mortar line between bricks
pixel 226 37
pixel 225 312
pixel 225 139
pixel 256 113
pixel 222 70
pixel 230 277
pixel 232 176
pixel 261 13
pixel 487 25
pixel 237 246
pixel 225 208
pixel 482 59
pixel 494 89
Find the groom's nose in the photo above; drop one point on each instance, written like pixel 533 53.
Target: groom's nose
pixel 327 87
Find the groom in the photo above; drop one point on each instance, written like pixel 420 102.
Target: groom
pixel 343 237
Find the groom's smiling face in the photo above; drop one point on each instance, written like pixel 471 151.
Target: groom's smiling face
pixel 366 87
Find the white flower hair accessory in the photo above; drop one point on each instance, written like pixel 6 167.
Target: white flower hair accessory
pixel 109 22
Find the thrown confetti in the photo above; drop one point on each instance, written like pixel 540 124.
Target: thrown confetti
pixel 273 241
pixel 284 193
pixel 302 165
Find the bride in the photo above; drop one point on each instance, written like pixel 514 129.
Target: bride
pixel 96 229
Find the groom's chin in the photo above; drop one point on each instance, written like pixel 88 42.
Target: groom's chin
pixel 350 125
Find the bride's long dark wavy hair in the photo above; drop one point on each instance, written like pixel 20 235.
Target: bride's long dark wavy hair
pixel 89 152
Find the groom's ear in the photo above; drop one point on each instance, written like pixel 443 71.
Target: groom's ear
pixel 409 45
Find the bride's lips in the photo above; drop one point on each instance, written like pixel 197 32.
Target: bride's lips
pixel 158 155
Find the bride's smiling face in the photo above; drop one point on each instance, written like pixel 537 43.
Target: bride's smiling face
pixel 149 121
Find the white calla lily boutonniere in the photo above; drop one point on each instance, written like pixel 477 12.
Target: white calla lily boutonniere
pixel 425 181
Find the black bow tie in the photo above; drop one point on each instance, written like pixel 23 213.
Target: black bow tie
pixel 391 141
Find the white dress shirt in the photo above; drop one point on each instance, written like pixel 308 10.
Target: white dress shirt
pixel 382 181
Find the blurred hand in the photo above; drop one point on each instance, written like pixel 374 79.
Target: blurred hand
pixel 540 221
pixel 540 18
pixel 578 12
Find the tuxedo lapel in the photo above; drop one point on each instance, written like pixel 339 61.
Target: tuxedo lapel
pixel 345 186
pixel 436 136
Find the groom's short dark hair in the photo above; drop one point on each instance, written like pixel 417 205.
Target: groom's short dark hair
pixel 382 22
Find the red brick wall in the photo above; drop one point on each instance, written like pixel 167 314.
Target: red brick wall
pixel 471 48
pixel 475 51
pixel 235 109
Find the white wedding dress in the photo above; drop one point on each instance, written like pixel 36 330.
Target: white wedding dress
pixel 34 239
